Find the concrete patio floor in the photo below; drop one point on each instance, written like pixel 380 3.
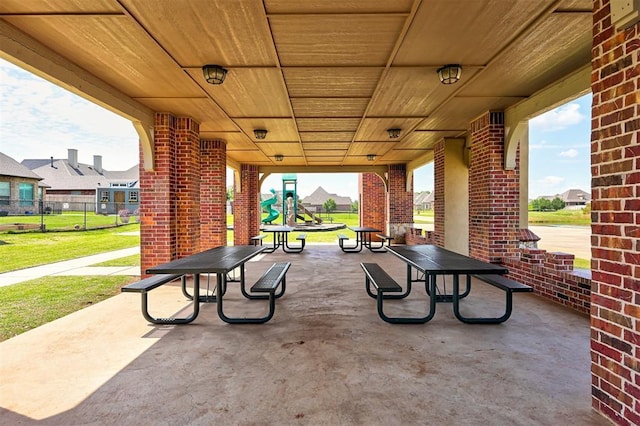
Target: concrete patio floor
pixel 325 358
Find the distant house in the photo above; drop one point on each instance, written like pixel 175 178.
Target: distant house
pixel 423 200
pixel 70 182
pixel 573 198
pixel 316 200
pixel 20 188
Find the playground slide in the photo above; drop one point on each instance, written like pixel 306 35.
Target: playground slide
pixel 267 205
pixel 303 209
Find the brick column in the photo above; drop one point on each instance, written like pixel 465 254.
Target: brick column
pixel 615 221
pixel 188 186
pixel 246 205
pixel 373 199
pixel 213 194
pixel 399 203
pixel 494 193
pixel 157 186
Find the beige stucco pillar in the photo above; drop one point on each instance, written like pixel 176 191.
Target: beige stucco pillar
pixel 454 176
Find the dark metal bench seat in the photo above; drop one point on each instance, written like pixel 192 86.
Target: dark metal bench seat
pixel 505 284
pixel 145 285
pixel 274 277
pixel 384 283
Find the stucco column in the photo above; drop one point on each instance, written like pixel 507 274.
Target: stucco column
pixel 213 194
pixel 451 209
pixel 399 203
pixel 246 205
pixel 373 201
pixel 494 193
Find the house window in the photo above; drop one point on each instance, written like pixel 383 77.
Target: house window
pixel 104 196
pixel 26 194
pixel 133 196
pixel 5 193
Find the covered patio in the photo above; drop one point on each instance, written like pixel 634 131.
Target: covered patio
pixel 325 358
pixel 377 88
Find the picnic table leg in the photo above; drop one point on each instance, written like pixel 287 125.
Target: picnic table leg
pixel 185 320
pixel 467 320
pixel 404 320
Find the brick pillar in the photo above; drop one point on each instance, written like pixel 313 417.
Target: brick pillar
pixel 615 221
pixel 494 193
pixel 188 186
pixel 157 210
pixel 246 205
pixel 373 199
pixel 213 194
pixel 399 203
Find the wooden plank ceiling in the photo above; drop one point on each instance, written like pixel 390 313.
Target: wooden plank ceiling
pixel 325 78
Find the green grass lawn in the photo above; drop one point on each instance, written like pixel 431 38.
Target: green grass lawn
pixel 23 250
pixel 66 221
pixel 30 304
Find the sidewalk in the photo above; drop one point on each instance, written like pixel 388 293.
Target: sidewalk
pixel 79 266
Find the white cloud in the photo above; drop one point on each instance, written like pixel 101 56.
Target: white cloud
pixel 41 120
pixel 570 153
pixel 559 118
pixel 551 180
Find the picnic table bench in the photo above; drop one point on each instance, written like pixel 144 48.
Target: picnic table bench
pixel 274 277
pixel 258 238
pixel 384 283
pixel 145 285
pixel 505 284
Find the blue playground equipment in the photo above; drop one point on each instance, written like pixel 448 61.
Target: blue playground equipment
pixel 267 205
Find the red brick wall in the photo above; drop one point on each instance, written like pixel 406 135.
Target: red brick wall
pixel 246 206
pixel 439 197
pixel 399 203
pixel 615 218
pixel 494 208
pixel 373 201
pixel 157 211
pixel 213 194
pixel 187 166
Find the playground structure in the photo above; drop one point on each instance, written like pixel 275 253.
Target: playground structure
pixel 291 207
pixel 267 205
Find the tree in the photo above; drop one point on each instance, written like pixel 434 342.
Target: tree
pixel 354 207
pixel 557 204
pixel 329 205
pixel 230 192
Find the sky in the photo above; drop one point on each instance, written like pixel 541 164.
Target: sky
pixel 39 120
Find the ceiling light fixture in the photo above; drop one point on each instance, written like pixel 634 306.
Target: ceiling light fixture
pixel 450 73
pixel 214 74
pixel 279 157
pixel 371 157
pixel 260 133
pixel 393 133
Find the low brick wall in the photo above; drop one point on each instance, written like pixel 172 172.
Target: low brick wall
pixel 550 274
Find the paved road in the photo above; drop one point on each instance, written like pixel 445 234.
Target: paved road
pixel 568 239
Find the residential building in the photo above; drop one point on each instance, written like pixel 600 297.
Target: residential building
pixel 315 201
pixel 71 182
pixel 20 188
pixel 573 198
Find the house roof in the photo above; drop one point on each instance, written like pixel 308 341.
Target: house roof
pixel 423 197
pixel 572 196
pixel 319 196
pixel 10 167
pixel 59 175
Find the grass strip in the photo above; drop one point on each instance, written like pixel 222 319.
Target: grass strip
pixel 30 304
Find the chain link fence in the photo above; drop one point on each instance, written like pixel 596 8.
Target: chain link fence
pixel 20 215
